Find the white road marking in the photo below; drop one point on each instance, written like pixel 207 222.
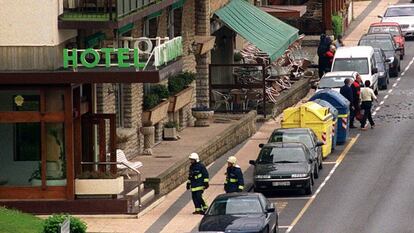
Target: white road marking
pixel 333 162
pixel 382 102
pixel 284 227
pixel 385 97
pixel 407 67
pixel 377 109
pixel 394 85
pixel 390 91
pixel 374 113
pixel 398 79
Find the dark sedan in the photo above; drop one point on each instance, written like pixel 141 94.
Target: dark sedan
pixel 302 135
pixel 282 166
pixel 383 68
pixel 240 212
pixel 386 42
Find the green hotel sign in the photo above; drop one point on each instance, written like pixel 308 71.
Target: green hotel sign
pixel 70 58
pixel 125 57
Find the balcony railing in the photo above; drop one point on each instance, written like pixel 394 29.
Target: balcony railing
pixel 102 10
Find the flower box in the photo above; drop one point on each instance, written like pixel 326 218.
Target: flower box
pixel 180 99
pixel 99 186
pixel 155 114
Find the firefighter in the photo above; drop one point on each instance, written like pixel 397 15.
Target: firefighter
pixel 197 183
pixel 234 177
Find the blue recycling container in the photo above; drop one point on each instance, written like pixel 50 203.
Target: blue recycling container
pixel 334 113
pixel 342 105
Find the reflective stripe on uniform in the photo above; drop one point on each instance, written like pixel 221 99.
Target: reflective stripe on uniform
pixel 198 176
pixel 199 188
pixel 206 180
pixel 241 187
pixel 343 116
pixel 232 180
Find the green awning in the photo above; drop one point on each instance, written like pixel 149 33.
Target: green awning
pixel 178 4
pixel 266 32
pixel 94 39
pixel 125 28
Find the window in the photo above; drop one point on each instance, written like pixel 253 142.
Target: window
pixel 384 44
pixel 359 65
pixel 175 22
pixel 399 11
pixel 280 155
pixel 150 27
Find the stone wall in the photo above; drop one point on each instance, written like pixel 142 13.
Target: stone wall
pixel 217 4
pixel 231 137
pixel 311 23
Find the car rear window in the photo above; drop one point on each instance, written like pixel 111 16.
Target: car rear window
pixel 393 30
pixel 399 11
pixel 359 65
pixel 384 44
pixel 277 155
pixel 236 206
pixel 293 137
pixel 333 82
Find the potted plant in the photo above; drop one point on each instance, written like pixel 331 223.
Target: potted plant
pixel 99 183
pixel 170 130
pixel 180 90
pixel 155 105
pixel 202 114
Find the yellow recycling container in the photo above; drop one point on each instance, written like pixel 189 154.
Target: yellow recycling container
pixel 311 115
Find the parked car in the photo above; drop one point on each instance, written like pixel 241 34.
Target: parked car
pixel 240 212
pixel 335 80
pixel 360 59
pixel 383 68
pixel 284 166
pixel 394 29
pixel 302 135
pixel 402 14
pixel 386 43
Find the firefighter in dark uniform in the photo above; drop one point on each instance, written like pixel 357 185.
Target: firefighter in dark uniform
pixel 234 177
pixel 197 183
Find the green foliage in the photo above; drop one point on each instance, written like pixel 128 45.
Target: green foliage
pixel 160 90
pixel 171 124
pixel 52 224
pixel 16 221
pixel 237 57
pixel 337 23
pixel 151 100
pixel 97 175
pixel 180 82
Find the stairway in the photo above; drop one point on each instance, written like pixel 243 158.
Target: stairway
pixel 131 193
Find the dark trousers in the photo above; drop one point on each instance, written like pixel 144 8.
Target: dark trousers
pixel 367 106
pixel 199 203
pixel 353 113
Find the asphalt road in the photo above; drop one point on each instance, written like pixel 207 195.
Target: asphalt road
pixel 371 189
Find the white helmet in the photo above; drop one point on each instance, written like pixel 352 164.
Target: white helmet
pixel 195 157
pixel 232 160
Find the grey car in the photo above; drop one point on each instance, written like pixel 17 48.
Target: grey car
pixel 302 135
pixel 383 68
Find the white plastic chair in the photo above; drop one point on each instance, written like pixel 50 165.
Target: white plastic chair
pixel 220 99
pixel 120 157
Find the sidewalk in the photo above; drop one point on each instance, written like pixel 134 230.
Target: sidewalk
pixel 173 213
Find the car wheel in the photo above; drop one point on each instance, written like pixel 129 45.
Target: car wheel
pixel 316 172
pixel 309 189
pixel 401 57
pixel 399 68
pixel 385 86
pixel 266 230
pixel 320 164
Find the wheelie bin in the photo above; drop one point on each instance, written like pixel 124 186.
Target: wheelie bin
pixel 334 113
pixel 311 115
pixel 342 105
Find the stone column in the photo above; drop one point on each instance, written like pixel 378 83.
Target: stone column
pixel 203 61
pixel 149 133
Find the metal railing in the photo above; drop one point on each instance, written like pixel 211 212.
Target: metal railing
pixel 138 173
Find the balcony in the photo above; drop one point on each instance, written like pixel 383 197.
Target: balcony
pixel 103 14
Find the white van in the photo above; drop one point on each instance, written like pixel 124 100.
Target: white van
pixel 360 59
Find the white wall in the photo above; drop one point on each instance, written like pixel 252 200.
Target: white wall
pixel 31 23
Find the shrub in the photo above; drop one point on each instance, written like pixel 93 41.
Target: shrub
pixel 237 57
pixel 160 90
pixel 151 100
pixel 180 82
pixel 337 22
pixel 52 224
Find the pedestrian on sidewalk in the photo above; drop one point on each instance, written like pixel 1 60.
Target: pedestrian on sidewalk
pixel 356 91
pixel 323 47
pixel 367 97
pixel 197 182
pixel 234 177
pixel 346 91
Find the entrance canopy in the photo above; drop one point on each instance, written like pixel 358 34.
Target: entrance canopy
pixel 266 32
